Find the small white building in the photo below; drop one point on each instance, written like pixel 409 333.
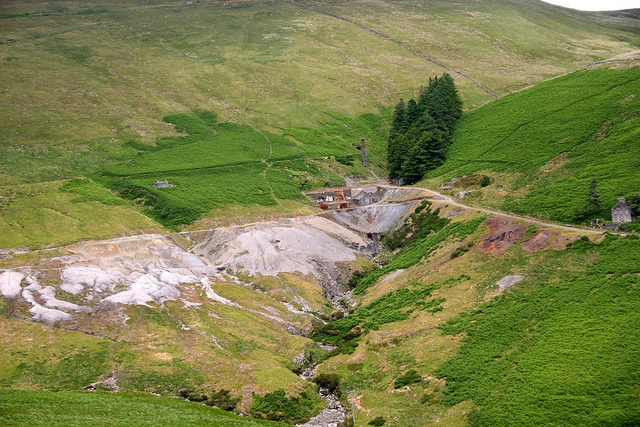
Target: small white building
pixel 621 212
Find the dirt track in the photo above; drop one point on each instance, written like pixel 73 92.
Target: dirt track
pixel 450 201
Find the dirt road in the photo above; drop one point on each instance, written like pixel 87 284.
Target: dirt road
pixel 448 200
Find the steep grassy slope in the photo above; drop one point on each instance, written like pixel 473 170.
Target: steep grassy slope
pixel 556 352
pixel 81 409
pixel 101 78
pixel 558 347
pixel 545 144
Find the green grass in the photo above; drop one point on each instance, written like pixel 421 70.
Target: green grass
pixel 392 307
pixel 57 213
pixel 416 251
pixel 37 408
pixel 91 82
pixel 553 139
pixel 564 352
pixel 98 74
pixel 213 166
pixel 216 165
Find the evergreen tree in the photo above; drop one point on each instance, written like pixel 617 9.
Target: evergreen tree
pixel 426 93
pixel 594 203
pixel 444 104
pixel 399 124
pixel 421 132
pixel 413 112
pixel 428 151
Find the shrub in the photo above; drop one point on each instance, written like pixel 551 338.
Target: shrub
pixel 410 377
pixel 377 421
pixel 223 399
pixel 193 396
pixel 461 250
pixel 345 160
pixel 359 275
pixel 328 381
pixel 277 406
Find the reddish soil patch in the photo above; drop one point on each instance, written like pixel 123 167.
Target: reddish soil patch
pixel 504 233
pixel 547 239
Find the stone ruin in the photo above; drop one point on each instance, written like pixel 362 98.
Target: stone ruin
pixel 621 212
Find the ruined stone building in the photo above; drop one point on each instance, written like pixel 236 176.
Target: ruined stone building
pixel 163 184
pixel 621 212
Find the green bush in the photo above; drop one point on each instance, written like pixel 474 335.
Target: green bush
pixel 277 406
pixel 328 381
pixel 359 275
pixel 461 250
pixel 223 399
pixel 192 396
pixel 410 377
pixel 346 160
pixel 377 421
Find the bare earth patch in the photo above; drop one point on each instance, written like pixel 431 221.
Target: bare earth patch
pixel 504 233
pixel 548 239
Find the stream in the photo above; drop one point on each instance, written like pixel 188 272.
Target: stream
pixel 335 413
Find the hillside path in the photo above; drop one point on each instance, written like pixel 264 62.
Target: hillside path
pixel 442 199
pixel 450 201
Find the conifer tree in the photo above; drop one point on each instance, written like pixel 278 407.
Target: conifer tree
pixel 421 133
pixel 399 124
pixel 426 94
pixel 594 203
pixel 413 112
pixel 444 104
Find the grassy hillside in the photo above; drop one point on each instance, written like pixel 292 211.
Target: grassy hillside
pixel 439 342
pixel 102 78
pixel 61 212
pixel 545 144
pixel 217 165
pixel 433 319
pixel 241 105
pixel 556 352
pixel 89 83
pixel 36 408
pixel 154 351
